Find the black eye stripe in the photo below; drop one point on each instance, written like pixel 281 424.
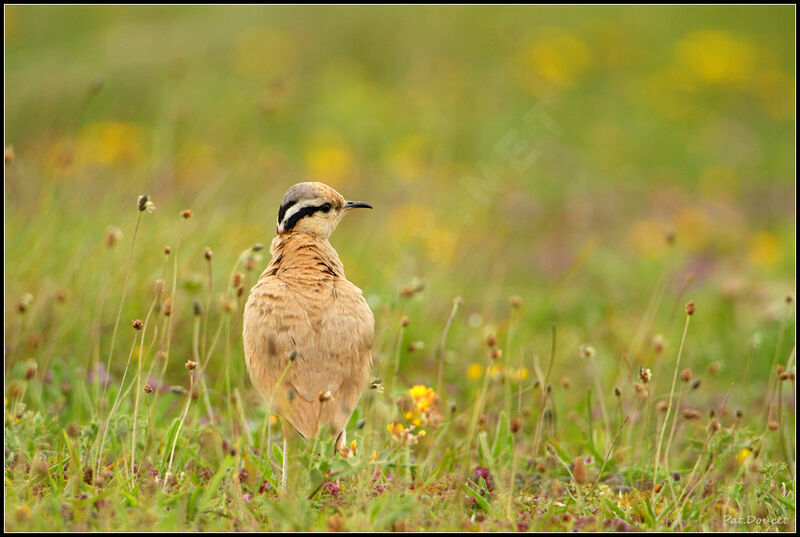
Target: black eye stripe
pixel 284 208
pixel 302 213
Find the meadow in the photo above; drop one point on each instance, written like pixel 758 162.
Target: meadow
pixel 581 263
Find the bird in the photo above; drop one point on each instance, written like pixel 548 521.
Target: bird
pixel 307 330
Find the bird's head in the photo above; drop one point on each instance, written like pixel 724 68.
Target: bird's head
pixel 313 208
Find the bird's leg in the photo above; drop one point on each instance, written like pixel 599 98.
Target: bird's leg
pixel 287 432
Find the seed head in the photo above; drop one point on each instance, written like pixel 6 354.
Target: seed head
pixel 325 396
pixel 293 355
pixel 257 246
pixel 190 364
pixel 9 155
pixel 662 406
pixel 516 425
pixel 404 321
pixel 690 307
pixel 113 235
pixel 415 346
pixel 143 201
pixel 30 371
pixel 659 343
pixel 167 250
pixel 713 426
pixel 207 253
pixel 61 294
pixel 789 299
pixel 148 388
pixel 691 414
pixel 138 324
pixel 617 392
pixel 566 383
pixel 159 286
pixel 669 236
pixel 167 307
pixel 773 425
pixel 645 375
pixel 739 414
pixel 497 353
pixel 686 375
pixel 639 389
pixel 197 307
pixel 696 384
pixel 228 305
pixel 237 279
pixel 515 301
pixel 491 341
pixel 186 214
pixel 586 351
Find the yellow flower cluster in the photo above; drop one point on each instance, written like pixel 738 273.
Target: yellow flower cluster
pixel 403 435
pixel 425 404
pixel 350 451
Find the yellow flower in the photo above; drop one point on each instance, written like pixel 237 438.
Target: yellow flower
pixel 764 250
pixel 558 57
pixel 495 370
pixel 716 57
pixel 419 391
pixel 474 371
pixel 647 238
pixel 742 455
pixel 520 374
pixel 111 142
pixel 330 161
pixel 694 228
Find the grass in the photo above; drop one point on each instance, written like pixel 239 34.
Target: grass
pixel 552 187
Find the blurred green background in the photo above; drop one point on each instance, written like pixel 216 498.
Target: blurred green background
pixel 544 152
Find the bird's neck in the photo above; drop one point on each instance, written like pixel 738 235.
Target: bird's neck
pixel 304 255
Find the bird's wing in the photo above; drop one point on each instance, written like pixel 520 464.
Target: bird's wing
pixel 332 331
pixel 349 327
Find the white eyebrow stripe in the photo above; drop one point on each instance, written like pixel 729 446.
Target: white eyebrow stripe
pixel 299 206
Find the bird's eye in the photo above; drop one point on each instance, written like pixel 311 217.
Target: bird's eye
pixel 325 208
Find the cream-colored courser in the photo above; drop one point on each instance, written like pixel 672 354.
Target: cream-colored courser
pixel 304 311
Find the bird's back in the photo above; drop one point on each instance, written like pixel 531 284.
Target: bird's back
pixel 303 302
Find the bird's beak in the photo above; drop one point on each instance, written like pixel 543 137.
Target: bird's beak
pixel 356 205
